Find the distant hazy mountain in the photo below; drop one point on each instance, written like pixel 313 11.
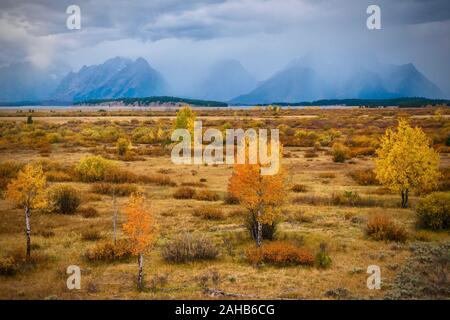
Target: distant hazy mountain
pixel 225 80
pixel 115 78
pixel 308 80
pixel 24 82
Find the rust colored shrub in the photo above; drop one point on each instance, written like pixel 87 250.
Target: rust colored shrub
pixel 209 213
pixel 280 253
pixel 108 252
pixel 364 177
pixel 381 227
pixel 58 176
pixel 88 212
pixel 184 193
pixel 206 195
pixel 230 199
pixel 362 151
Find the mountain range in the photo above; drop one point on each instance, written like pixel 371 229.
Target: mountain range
pixel 116 78
pixel 306 79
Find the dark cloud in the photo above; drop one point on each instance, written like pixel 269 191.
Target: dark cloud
pixel 178 35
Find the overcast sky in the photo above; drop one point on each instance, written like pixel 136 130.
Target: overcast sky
pixel 181 38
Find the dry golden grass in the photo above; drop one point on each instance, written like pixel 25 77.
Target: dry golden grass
pixel 61 240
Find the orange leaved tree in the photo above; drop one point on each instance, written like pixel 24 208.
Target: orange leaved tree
pixel 261 195
pixel 28 192
pixel 140 229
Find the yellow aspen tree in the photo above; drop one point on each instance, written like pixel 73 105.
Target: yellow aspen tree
pixel 406 161
pixel 261 195
pixel 140 229
pixel 28 192
pixel 185 119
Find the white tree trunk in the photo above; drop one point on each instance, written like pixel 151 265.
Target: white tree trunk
pixel 28 231
pixel 259 229
pixel 115 217
pixel 140 275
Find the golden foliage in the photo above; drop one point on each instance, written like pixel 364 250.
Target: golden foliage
pixel 28 189
pixel 406 160
pixel 256 192
pixel 140 227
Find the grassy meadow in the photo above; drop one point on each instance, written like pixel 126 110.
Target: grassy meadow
pixel 328 205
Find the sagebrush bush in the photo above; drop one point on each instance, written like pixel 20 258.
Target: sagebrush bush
pixel 120 190
pixel 93 168
pixel 123 145
pixel 8 266
pixel 184 193
pixel 64 199
pixel 433 211
pixel 8 171
pixel 209 213
pixel 279 253
pixel 58 176
pixel 299 188
pixel 381 227
pixel 91 235
pixel 188 247
pixel 340 152
pixel 230 199
pixel 364 177
pixel 206 195
pixel 322 259
pixel 88 212
pixel 108 252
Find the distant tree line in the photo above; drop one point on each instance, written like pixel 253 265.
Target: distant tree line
pixel 371 103
pixel 149 100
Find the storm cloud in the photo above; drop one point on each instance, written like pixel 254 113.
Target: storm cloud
pixel 181 38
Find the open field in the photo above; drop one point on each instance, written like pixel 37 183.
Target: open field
pixel 61 138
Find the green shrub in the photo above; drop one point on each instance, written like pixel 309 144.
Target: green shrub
pixel 93 168
pixel 433 211
pixel 188 247
pixel 64 199
pixel 381 227
pixel 322 259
